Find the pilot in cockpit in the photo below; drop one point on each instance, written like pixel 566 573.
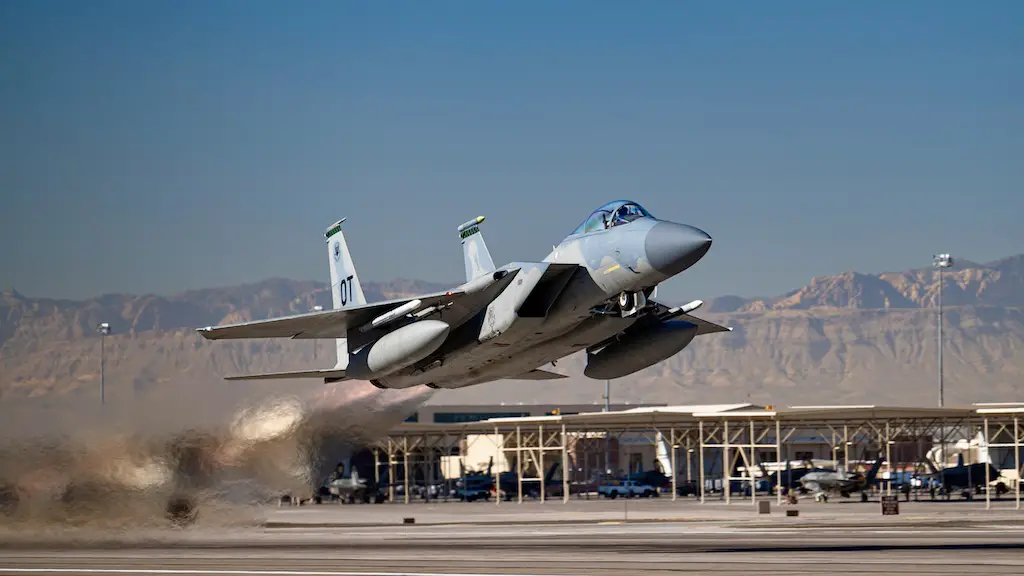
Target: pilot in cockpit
pixel 625 214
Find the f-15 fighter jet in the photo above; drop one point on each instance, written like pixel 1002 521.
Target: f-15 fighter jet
pixel 594 291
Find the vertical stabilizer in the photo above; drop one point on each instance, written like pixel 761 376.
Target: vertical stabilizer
pixel 983 455
pixel 474 250
pixel 345 288
pixel 873 472
pixel 663 456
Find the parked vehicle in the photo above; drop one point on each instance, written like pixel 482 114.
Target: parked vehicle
pixel 627 489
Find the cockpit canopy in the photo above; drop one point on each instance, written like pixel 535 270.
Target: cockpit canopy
pixel 612 214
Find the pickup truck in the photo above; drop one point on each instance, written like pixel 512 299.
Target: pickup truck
pixel 628 489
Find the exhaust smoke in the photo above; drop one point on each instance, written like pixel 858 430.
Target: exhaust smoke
pixel 154 465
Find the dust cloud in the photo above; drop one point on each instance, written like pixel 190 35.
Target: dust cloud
pixel 184 461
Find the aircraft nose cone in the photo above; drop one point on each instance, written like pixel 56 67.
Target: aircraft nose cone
pixel 672 248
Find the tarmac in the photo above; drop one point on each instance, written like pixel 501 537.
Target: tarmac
pixel 579 537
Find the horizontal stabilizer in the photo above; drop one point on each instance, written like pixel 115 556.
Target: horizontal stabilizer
pixel 332 373
pixel 539 374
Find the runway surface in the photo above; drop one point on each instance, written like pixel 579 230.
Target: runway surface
pixel 562 539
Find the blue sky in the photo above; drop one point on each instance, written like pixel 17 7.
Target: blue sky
pixel 159 146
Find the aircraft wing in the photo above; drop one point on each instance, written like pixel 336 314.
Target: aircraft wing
pixel 703 326
pixel 325 324
pixel 539 374
pixel 328 373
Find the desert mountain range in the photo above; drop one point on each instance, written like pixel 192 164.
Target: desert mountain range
pixel 843 339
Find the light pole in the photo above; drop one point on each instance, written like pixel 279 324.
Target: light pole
pixel 607 438
pixel 316 343
pixel 941 261
pixel 103 329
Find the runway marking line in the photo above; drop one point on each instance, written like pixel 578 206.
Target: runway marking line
pixel 211 572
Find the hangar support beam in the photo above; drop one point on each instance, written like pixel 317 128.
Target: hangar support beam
pixel 1003 431
pixel 740 437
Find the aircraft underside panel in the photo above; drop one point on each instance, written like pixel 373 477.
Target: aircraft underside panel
pixel 525 351
pixel 513 361
pixel 517 319
pixel 543 314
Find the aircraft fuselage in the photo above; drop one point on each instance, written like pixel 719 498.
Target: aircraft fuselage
pixel 551 314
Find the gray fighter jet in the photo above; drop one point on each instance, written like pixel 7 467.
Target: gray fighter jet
pixel 594 291
pixel 823 482
pixel 349 489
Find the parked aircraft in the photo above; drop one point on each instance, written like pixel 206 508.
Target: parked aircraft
pixel 790 476
pixel 473 485
pixel 351 488
pixel 509 483
pixel 838 481
pixel 964 476
pixel 594 291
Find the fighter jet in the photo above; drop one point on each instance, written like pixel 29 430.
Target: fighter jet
pixel 837 481
pixel 351 488
pixel 963 476
pixel 595 292
pixel 790 477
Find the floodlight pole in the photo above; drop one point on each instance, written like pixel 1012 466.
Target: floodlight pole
pixel 103 329
pixel 941 391
pixel 941 261
pixel 607 438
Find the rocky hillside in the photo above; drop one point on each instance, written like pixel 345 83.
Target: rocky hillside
pixel 999 283
pixel 824 356
pixel 849 338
